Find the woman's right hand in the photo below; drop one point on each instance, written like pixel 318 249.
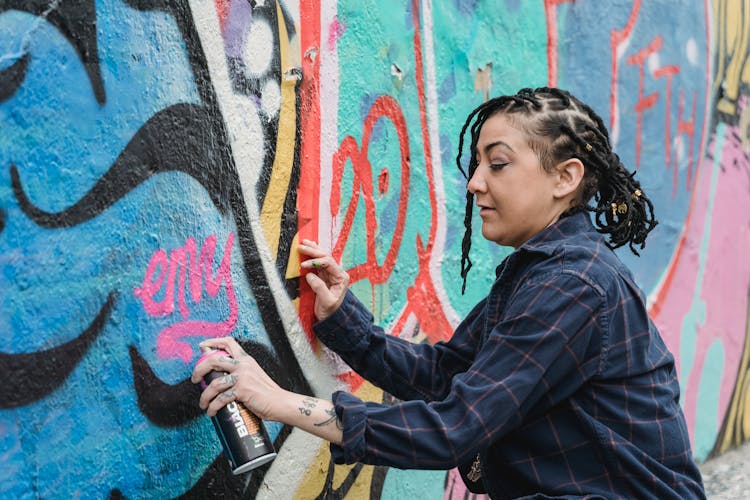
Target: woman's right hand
pixel 327 279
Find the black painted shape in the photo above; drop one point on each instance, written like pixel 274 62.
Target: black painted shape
pixel 163 404
pixel 12 77
pixel 31 376
pixel 172 405
pixel 2 220
pixel 175 138
pixel 76 20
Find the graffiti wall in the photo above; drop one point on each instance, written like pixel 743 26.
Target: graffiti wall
pixel 159 160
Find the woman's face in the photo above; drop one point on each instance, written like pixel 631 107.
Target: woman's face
pixel 515 195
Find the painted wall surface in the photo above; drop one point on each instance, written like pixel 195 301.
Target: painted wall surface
pixel 159 160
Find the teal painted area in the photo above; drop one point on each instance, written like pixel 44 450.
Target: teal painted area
pixel 404 484
pixel 514 41
pixel 465 40
pixel 385 34
pixel 706 419
pixel 696 315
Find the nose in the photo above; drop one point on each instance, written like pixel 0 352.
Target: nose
pixel 476 183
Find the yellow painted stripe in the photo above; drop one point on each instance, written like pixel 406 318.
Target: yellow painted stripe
pixel 273 204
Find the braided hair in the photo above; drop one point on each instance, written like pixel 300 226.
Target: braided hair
pixel 560 127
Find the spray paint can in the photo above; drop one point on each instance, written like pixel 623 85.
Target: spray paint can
pixel 242 434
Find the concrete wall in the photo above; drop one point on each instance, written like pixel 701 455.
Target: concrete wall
pixel 159 160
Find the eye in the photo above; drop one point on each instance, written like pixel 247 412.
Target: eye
pixel 498 165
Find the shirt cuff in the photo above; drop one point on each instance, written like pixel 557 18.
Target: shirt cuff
pixel 352 413
pixel 345 330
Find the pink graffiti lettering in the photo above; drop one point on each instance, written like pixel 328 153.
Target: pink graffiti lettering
pixel 184 268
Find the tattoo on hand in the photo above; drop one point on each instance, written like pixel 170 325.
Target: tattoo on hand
pixel 227 394
pixel 331 418
pixel 229 380
pixel 229 360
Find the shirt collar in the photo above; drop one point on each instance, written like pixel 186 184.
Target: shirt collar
pixel 547 240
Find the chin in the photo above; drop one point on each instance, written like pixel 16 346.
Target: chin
pixel 492 237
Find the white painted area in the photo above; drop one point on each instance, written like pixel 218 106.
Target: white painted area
pixel 329 137
pixel 270 98
pixel 293 459
pixel 680 148
pixel 434 133
pixel 653 62
pixel 258 48
pixel 691 51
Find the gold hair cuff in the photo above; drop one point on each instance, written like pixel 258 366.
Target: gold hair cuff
pixel 637 194
pixel 619 208
pixel 589 147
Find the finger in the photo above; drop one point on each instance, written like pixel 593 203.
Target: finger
pixel 312 251
pixel 218 360
pixel 221 400
pixel 326 266
pixel 228 344
pixel 222 385
pixel 314 264
pixel 205 364
pixel 320 288
pixel 227 381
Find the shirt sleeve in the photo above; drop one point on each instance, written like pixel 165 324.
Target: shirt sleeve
pixel 405 369
pixel 545 347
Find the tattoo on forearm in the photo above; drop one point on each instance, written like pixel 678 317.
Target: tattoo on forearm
pixel 331 418
pixel 307 405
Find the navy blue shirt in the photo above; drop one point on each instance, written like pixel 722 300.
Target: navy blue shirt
pixel 558 381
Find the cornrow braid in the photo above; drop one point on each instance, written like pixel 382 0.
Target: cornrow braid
pixel 559 127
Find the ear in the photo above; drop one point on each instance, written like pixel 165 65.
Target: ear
pixel 569 174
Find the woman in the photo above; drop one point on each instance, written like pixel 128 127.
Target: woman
pixel 557 384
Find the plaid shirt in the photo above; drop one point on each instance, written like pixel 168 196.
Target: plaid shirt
pixel 558 380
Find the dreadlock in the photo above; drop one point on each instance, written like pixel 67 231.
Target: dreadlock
pixel 560 127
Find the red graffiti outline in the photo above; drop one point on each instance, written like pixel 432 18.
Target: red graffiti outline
pixel 663 290
pixel 617 37
pixel 668 72
pixel 308 188
pixel 644 101
pixel 362 183
pixel 550 13
pixel 422 299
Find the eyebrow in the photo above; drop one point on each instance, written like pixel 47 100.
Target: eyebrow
pixel 491 145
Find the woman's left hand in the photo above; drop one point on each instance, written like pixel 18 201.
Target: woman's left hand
pixel 245 380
